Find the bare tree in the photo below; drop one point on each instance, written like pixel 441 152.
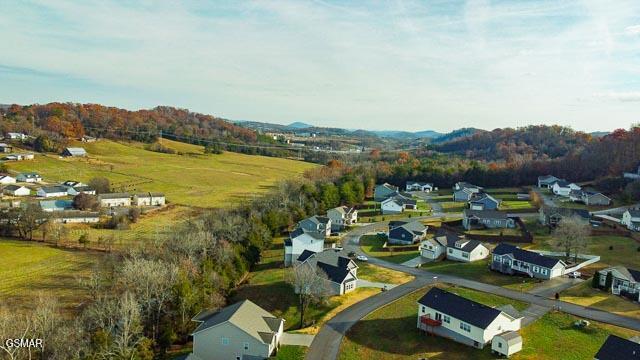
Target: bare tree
pixel 13 325
pixel 311 286
pixel 570 235
pixel 30 219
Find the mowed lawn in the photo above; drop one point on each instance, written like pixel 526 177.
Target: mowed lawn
pixel 372 245
pixel 390 332
pixel 29 268
pixel 583 294
pixel 192 178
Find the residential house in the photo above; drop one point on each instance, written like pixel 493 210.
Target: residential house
pixel 29 177
pixel 632 176
pixel 564 188
pixel 341 271
pixel 4 148
pixel 318 224
pixel 465 250
pixel 16 136
pixel 463 191
pixel 6 179
pixel 85 189
pixel 342 216
pixel 52 191
pixel 435 248
pixel 418 186
pixel 406 233
pixel 506 344
pixel 74 152
pixel 240 331
pixel 483 201
pixel 591 198
pixel 631 218
pixel 300 240
pixel 490 219
pixel 73 183
pixel 547 181
pixel 625 281
pixel 384 191
pixel 19 157
pixel 509 259
pixel 56 205
pixel 76 216
pixel 617 348
pixel 451 316
pixel 88 139
pixel 114 199
pixel 149 199
pixel 16 190
pixel 397 204
pixel 552 215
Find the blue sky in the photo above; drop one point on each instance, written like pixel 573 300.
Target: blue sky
pixel 406 65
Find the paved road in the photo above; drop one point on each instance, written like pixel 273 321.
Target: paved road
pixel 326 344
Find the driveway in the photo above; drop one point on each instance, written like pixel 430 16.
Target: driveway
pixel 546 198
pixel 296 339
pixel 326 344
pixel 373 284
pixel 418 260
pixel 556 285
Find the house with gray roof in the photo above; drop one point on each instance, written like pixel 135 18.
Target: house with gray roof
pixel 589 197
pixel 451 316
pixel 446 244
pixel 52 191
pixel 5 148
pixel 383 191
pixel 74 152
pixel 464 191
pixel 149 199
pixel 506 344
pixel 398 204
pixel 318 224
pixel 547 181
pixel 340 270
pixel 114 199
pixel 76 217
pixel 406 232
pixel 483 201
pixel 242 330
pixel 342 216
pixel 552 215
pixel 418 186
pixel 564 188
pixel 509 259
pixel 29 177
pixel 631 218
pixel 625 281
pixel 490 219
pixel 16 190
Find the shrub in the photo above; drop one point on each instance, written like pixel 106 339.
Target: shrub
pixel 118 222
pixel 134 214
pixel 157 147
pixel 85 202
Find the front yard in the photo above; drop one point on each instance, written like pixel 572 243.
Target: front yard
pixel 390 332
pixel 372 245
pixel 583 294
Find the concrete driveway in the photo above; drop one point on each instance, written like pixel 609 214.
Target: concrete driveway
pixel 296 339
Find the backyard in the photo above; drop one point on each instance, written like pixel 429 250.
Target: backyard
pixel 372 245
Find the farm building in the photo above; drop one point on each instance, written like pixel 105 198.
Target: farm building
pixel 74 152
pixel 115 199
pixel 16 190
pixel 149 199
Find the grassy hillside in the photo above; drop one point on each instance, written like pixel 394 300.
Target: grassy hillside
pixel 29 268
pixel 189 178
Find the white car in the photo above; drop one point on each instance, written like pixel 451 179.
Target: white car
pixel 362 258
pixel 575 274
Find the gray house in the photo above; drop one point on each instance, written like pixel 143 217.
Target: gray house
pixel 464 191
pixel 483 201
pixel 625 281
pixel 384 191
pixel 406 233
pixel 491 219
pixel 552 215
pixel 589 197
pixel 243 330
pixel 547 181
pixel 509 259
pixel 318 224
pixel 341 272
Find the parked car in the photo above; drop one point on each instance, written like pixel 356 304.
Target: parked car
pixel 362 258
pixel 351 254
pixel 575 274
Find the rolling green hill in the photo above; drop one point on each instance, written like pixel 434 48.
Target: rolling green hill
pixel 189 178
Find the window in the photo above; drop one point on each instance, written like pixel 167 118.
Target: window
pixel 536 268
pixel 496 258
pixel 438 316
pixel 500 345
pixel 450 251
pixel 424 309
pixel 465 327
pixel 446 319
pixel 465 255
pixel 224 341
pixel 544 271
pixel 246 345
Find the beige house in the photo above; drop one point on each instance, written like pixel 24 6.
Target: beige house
pixel 239 331
pixel 115 199
pixel 149 199
pixel 342 216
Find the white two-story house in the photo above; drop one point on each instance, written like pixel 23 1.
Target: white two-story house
pixel 452 246
pixel 631 218
pixel 564 188
pixel 451 316
pixel 300 240
pixel 342 216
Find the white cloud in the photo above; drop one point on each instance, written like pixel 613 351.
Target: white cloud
pixel 633 29
pixel 620 96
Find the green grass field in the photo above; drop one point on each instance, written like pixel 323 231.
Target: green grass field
pixel 372 246
pixel 390 332
pixel 584 294
pixel 29 268
pixel 479 271
pixel 290 352
pixel 193 179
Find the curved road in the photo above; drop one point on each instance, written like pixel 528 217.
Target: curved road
pixel 326 344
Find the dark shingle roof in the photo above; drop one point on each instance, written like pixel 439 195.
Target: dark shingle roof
pixel 54 189
pixel 486 214
pixel 115 196
pixel 617 348
pixel 525 255
pixel 330 261
pixel 460 308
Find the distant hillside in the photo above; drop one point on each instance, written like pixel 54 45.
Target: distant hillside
pixel 72 120
pixel 456 134
pixel 299 125
pixel 526 143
